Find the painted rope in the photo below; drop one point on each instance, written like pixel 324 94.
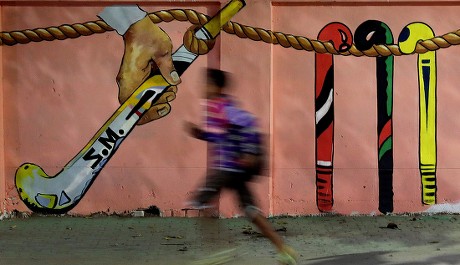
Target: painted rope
pixel 60 193
pixel 369 33
pixel 426 63
pixel 341 38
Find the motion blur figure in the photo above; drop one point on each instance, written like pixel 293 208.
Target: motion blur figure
pixel 236 158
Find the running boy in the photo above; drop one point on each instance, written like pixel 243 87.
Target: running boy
pixel 236 155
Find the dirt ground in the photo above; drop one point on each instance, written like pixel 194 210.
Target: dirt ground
pixel 411 239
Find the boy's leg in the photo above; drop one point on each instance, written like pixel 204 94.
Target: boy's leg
pixel 209 190
pixel 285 254
pixel 267 230
pixel 254 214
pixel 208 228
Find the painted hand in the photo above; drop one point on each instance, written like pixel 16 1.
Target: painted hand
pixel 147 49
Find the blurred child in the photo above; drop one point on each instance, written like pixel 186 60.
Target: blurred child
pixel 236 157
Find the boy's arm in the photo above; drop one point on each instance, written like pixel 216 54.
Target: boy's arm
pixel 250 146
pixel 196 132
pixel 250 141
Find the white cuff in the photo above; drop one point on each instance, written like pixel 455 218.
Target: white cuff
pixel 120 18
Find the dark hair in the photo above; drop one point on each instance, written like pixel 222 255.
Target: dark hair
pixel 217 77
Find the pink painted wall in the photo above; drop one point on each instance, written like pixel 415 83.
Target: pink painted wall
pixel 56 95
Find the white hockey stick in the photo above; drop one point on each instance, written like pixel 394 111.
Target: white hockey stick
pixel 60 193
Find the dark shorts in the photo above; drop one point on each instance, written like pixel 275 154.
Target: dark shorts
pixel 216 180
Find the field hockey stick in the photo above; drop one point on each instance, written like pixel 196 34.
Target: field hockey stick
pixel 341 37
pixel 61 192
pixel 380 33
pixel 408 39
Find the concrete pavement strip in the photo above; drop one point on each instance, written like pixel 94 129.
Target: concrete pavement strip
pixel 326 239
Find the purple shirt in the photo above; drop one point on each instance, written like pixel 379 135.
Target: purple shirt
pixel 232 132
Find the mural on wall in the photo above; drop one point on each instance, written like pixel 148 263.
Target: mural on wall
pixel 60 193
pixel 369 33
pixel 340 36
pixel 426 62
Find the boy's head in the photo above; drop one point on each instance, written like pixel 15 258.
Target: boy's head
pixel 216 77
pixel 217 82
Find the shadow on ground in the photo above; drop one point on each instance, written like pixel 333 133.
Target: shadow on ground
pixel 378 258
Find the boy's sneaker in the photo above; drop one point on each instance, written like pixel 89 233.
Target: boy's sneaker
pixel 287 256
pixel 221 257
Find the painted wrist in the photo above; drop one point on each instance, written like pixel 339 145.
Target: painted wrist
pixel 120 18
